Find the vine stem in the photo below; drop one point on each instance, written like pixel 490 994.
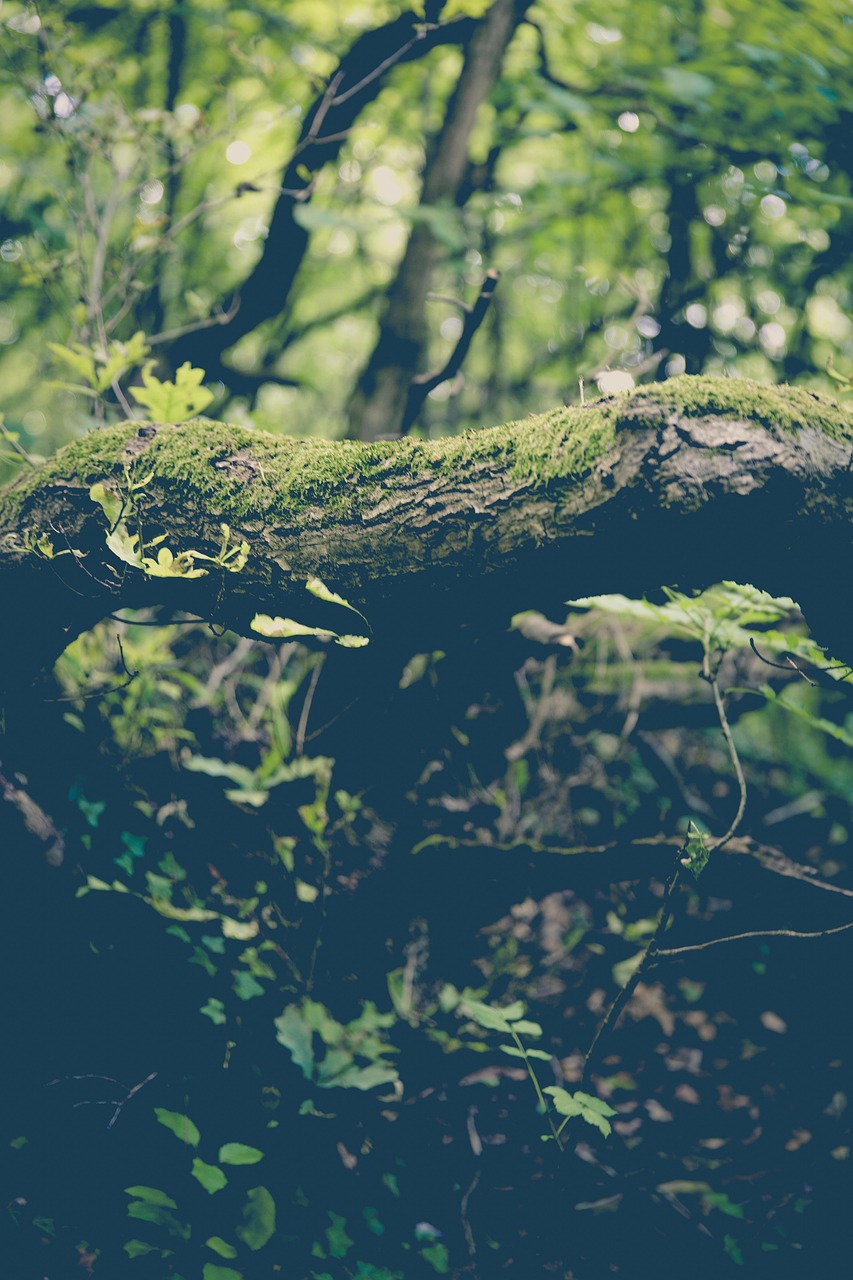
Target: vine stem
pixel 652 952
pixel 539 1094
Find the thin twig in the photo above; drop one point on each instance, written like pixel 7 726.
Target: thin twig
pixel 733 755
pixel 423 383
pixel 787 665
pixel 755 933
pixel 306 707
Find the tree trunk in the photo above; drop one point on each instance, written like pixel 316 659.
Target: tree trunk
pixel 379 403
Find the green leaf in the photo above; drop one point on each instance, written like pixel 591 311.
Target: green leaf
pixel 173 401
pixel 213 1271
pixel 220 1246
pixel 110 502
pixel 138 1248
pixel 696 852
pixel 242 930
pixel 353 1077
pixel 525 1028
pixel 216 768
pixel 515 1052
pixel 246 986
pixel 78 360
pixel 160 1216
pixel 164 908
pixel 294 1033
pixel 152 1195
pixel 258 1218
pixel 215 1010
pixel 180 1125
pixel 210 1176
pixel 733 1249
pixel 338 1241
pixel 287 628
pixel 490 1018
pixel 437 1256
pixel 583 1105
pixel 239 1153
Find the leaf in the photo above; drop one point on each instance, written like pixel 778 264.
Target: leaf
pixel 220 1246
pixel 246 986
pixel 294 1033
pixel 210 1176
pixel 525 1028
pixel 78 359
pixel 125 545
pixel 319 589
pixel 696 852
pixel 160 1216
pixel 165 908
pixel 353 1077
pixel 591 1110
pixel 279 628
pixel 515 1052
pixel 215 1010
pixel 110 502
pixel 242 930
pixel 239 1153
pixel 216 768
pixel 173 401
pixel 138 1248
pixel 286 628
pixel 258 1218
pixel 338 1240
pixel 490 1018
pixel 213 1271
pixel 152 1195
pixel 168 565
pixel 437 1256
pixel 180 1125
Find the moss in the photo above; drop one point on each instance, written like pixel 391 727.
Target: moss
pixel 245 474
pixel 782 407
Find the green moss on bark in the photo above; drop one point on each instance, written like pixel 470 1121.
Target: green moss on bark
pixel 250 475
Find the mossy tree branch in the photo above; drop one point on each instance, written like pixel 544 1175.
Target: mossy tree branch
pixel 689 482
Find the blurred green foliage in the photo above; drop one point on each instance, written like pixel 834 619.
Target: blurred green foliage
pixel 661 187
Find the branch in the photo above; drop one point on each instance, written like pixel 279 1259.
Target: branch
pixel 423 383
pixel 754 933
pixel 692 481
pixel 362 72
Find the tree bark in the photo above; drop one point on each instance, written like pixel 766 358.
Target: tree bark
pixel 360 76
pixel 690 482
pixel 379 403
